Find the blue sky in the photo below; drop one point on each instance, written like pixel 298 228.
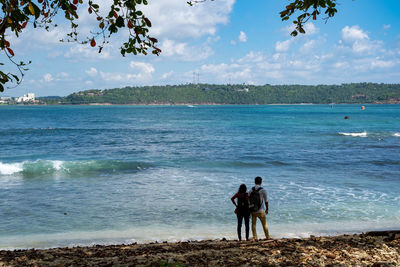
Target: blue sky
pixel 223 41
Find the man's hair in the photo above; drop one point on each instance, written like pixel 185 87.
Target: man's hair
pixel 258 180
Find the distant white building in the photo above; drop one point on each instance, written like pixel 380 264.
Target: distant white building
pixel 30 97
pixel 5 99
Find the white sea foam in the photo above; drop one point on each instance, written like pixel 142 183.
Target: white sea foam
pixel 362 134
pixel 10 168
pixel 158 233
pixel 144 234
pixel 396 134
pixel 57 164
pixel 18 167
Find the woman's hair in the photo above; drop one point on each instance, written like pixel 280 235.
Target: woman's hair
pixel 242 189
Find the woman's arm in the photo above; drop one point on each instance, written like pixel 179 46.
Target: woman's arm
pixel 233 199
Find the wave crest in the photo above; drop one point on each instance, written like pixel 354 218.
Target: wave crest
pixel 10 168
pixel 362 134
pixel 69 168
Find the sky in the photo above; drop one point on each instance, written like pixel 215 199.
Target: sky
pixel 220 42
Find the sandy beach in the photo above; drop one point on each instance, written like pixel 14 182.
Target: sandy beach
pixel 369 249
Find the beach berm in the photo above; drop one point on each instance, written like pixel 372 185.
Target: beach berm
pixel 369 249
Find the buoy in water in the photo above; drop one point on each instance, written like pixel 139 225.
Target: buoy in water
pixel 362 107
pixel 346 117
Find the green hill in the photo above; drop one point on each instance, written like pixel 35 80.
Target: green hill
pixel 241 94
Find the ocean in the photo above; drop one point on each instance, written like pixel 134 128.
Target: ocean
pixel 84 175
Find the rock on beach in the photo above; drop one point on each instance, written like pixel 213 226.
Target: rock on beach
pixel 369 249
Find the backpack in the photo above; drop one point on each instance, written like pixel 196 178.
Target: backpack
pixel 255 199
pixel 243 204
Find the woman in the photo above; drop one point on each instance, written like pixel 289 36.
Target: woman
pixel 242 210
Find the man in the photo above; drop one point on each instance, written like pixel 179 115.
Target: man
pixel 258 209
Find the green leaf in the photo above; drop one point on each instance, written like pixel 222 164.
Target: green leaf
pixel 113 28
pixel 120 22
pixel 37 10
pixel 15 77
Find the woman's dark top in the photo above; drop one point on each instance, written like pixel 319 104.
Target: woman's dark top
pixel 242 202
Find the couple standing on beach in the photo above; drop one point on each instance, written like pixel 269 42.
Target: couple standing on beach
pixel 253 202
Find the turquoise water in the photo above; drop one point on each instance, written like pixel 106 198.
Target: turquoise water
pixel 81 175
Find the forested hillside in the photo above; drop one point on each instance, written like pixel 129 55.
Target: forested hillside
pixel 241 94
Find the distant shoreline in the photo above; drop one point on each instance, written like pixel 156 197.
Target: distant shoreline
pixel 228 94
pixel 199 104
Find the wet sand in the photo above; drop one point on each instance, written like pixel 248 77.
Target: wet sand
pixel 369 249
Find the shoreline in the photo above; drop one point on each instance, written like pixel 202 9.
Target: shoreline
pixel 200 104
pixel 377 248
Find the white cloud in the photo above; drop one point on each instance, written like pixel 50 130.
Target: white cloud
pixel 62 75
pixel 309 45
pixel 360 47
pixel 358 41
pixel 323 65
pixel 143 73
pixel 309 28
pixel 382 64
pixel 54 54
pixel 341 65
pixel 116 77
pixel 283 46
pixel 144 68
pixel 227 73
pixel 81 52
pixel 185 52
pixel 242 37
pixel 252 57
pixel 167 75
pixel 38 37
pixel 48 77
pixel 354 33
pixel 92 72
pixel 312 45
pixel 176 19
pixel 171 47
pixel 276 56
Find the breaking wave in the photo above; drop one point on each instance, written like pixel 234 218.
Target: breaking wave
pixel 69 168
pixel 362 134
